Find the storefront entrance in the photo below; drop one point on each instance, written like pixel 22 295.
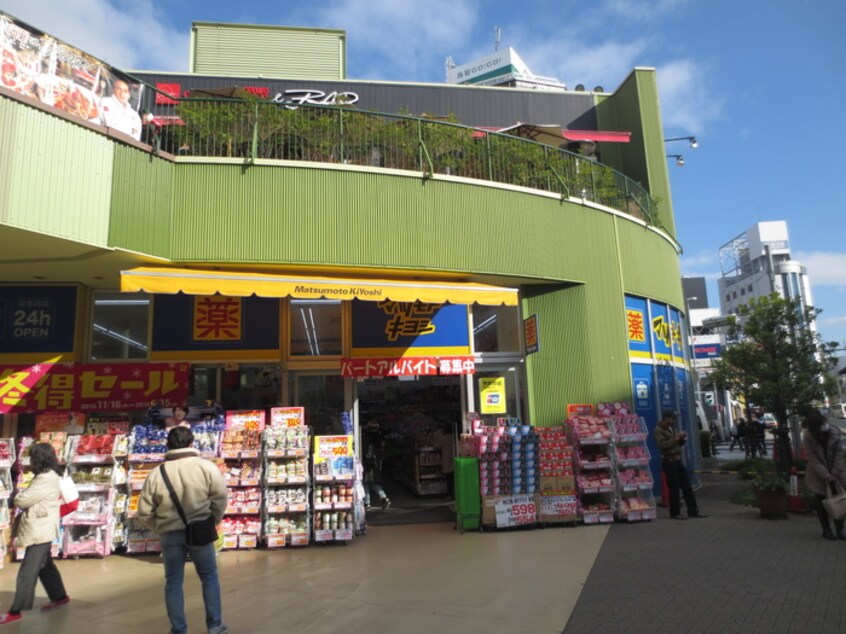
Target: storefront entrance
pixel 409 429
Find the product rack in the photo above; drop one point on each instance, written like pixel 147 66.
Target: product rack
pixel 592 439
pixel 147 448
pixel 635 501
pixel 241 465
pixel 286 480
pixel 7 459
pixel 334 477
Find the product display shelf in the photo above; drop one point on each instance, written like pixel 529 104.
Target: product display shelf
pixel 93 467
pixel 333 490
pixel 635 501
pixel 139 539
pixel 557 498
pixel 7 459
pixel 592 439
pixel 286 518
pixel 240 463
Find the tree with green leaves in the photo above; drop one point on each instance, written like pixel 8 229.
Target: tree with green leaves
pixel 778 361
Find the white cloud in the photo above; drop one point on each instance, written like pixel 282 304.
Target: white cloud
pixel 127 35
pixel 687 102
pixel 825 268
pixel 832 321
pixel 400 37
pixel 643 9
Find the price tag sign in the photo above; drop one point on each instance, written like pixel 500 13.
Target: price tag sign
pixel 558 505
pixel 328 447
pixel 515 510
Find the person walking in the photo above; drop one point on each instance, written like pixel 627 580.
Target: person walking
pixel 751 439
pixel 201 491
pixel 823 444
pixel 670 442
pixel 738 434
pixel 37 527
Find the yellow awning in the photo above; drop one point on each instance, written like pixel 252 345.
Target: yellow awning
pixel 242 284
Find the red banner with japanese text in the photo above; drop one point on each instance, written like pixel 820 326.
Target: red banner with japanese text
pixel 92 387
pixel 407 366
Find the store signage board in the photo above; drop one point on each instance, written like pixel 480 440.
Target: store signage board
pixel 407 366
pixel 287 416
pixel 328 447
pixel 515 510
pixel 250 420
pixel 91 387
pixel 558 505
pixel 575 410
pixel 531 334
pixel 37 319
pixel 492 395
pixel 662 332
pixel 389 328
pixel 637 331
pixel 676 336
pixel 707 351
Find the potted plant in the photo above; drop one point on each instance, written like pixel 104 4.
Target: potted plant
pixel 771 491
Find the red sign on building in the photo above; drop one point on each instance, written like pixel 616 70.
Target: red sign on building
pixel 89 387
pixel 408 366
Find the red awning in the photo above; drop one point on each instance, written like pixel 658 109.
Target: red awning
pixel 549 133
pixel 597 136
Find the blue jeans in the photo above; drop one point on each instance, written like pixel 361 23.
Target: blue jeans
pixel 174 550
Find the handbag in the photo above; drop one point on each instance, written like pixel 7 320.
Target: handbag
pixel 835 501
pixel 68 496
pixel 198 533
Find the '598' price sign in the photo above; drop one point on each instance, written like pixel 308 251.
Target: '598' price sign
pixel 515 510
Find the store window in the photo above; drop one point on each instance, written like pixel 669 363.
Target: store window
pixel 119 326
pixel 315 327
pixel 498 393
pixel 236 386
pixel 496 329
pixel 322 396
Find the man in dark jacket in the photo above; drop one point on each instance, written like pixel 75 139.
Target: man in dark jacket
pixel 670 441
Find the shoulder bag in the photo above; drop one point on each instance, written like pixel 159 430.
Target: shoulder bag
pixel 69 496
pixel 199 533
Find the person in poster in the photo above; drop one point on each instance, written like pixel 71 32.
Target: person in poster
pixel 117 112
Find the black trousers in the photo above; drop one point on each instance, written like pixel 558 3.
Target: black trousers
pixel 677 479
pixel 37 564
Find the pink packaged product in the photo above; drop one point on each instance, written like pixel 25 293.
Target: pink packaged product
pixel 613 409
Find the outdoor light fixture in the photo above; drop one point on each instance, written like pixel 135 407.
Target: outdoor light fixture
pixel 679 159
pixel 693 142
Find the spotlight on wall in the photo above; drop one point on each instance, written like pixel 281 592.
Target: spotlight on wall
pixel 692 139
pixel 679 159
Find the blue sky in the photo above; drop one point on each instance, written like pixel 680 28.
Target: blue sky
pixel 760 83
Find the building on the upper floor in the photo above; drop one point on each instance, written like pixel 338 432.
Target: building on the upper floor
pixel 378 252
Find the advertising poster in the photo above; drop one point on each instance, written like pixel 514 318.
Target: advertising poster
pixel 287 416
pixel 637 328
pixel 249 420
pixel 492 395
pixel 397 329
pixel 88 387
pixel 41 67
pixel 407 366
pixel 644 397
pixel 666 388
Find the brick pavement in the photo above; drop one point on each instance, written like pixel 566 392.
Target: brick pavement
pixel 732 572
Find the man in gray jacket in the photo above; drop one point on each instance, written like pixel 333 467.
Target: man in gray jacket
pixel 201 490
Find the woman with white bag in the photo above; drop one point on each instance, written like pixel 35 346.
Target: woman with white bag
pixel 825 475
pixel 36 528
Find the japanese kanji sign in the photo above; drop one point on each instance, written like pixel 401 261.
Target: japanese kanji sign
pixel 389 328
pixel 637 327
pixel 217 318
pixel 408 366
pixel 89 387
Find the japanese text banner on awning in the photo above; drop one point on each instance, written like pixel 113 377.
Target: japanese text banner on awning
pixel 92 387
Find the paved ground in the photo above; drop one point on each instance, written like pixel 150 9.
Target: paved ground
pixel 732 572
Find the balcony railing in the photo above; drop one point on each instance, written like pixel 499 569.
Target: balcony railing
pixel 254 129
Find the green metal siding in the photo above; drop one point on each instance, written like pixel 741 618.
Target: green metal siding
pixel 142 192
pixel 243 50
pixel 647 271
pixel 56 176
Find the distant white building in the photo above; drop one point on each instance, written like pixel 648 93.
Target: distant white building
pixel 757 263
pixel 500 68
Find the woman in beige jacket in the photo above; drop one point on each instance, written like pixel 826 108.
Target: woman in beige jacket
pixel 37 527
pixel 826 454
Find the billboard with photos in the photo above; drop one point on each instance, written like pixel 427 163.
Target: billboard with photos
pixel 37 65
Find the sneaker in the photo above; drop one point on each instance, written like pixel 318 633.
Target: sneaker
pixel 55 605
pixel 223 628
pixel 386 503
pixel 9 618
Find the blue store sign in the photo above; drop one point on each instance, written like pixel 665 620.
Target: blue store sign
pixel 39 319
